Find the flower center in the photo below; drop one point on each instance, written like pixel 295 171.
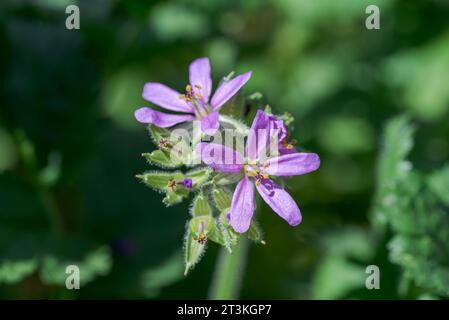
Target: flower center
pixel 255 170
pixel 201 236
pixel 194 98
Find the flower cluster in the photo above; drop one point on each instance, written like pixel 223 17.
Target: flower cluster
pixel 220 152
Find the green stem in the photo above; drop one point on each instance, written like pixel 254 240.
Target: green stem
pixel 229 272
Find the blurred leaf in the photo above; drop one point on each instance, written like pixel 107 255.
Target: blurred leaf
pixel 122 96
pixel 422 75
pixel 15 271
pixel 344 135
pixel 172 21
pixel 413 211
pixel 96 263
pixel 154 279
pixel 8 154
pixel 439 184
pixel 336 277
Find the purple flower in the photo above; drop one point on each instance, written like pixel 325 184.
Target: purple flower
pixel 187 183
pixel 258 167
pixel 195 103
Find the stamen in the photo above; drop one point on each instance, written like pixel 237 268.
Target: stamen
pixel 201 238
pixel 171 184
pixel 163 143
pixel 288 145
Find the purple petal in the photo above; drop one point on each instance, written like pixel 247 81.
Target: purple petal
pixel 187 182
pixel 160 119
pixel 199 71
pixel 264 127
pixel 292 164
pixel 242 206
pixel 228 89
pixel 165 97
pixel 280 201
pixel 210 124
pixel 220 157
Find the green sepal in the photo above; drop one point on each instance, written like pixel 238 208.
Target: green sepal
pixel 193 250
pixel 175 197
pixel 224 179
pixel 162 159
pixel 230 237
pixel 158 180
pixel 222 198
pixel 200 206
pixel 199 176
pixel 218 235
pixel 255 232
pixel 157 133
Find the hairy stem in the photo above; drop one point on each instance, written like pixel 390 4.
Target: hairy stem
pixel 229 272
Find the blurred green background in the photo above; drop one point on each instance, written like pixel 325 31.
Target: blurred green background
pixel 70 146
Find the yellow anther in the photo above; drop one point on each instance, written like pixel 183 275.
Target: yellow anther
pixel 188 88
pixel 198 95
pixel 251 173
pixel 265 176
pixel 201 238
pixel 197 86
pixel 265 165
